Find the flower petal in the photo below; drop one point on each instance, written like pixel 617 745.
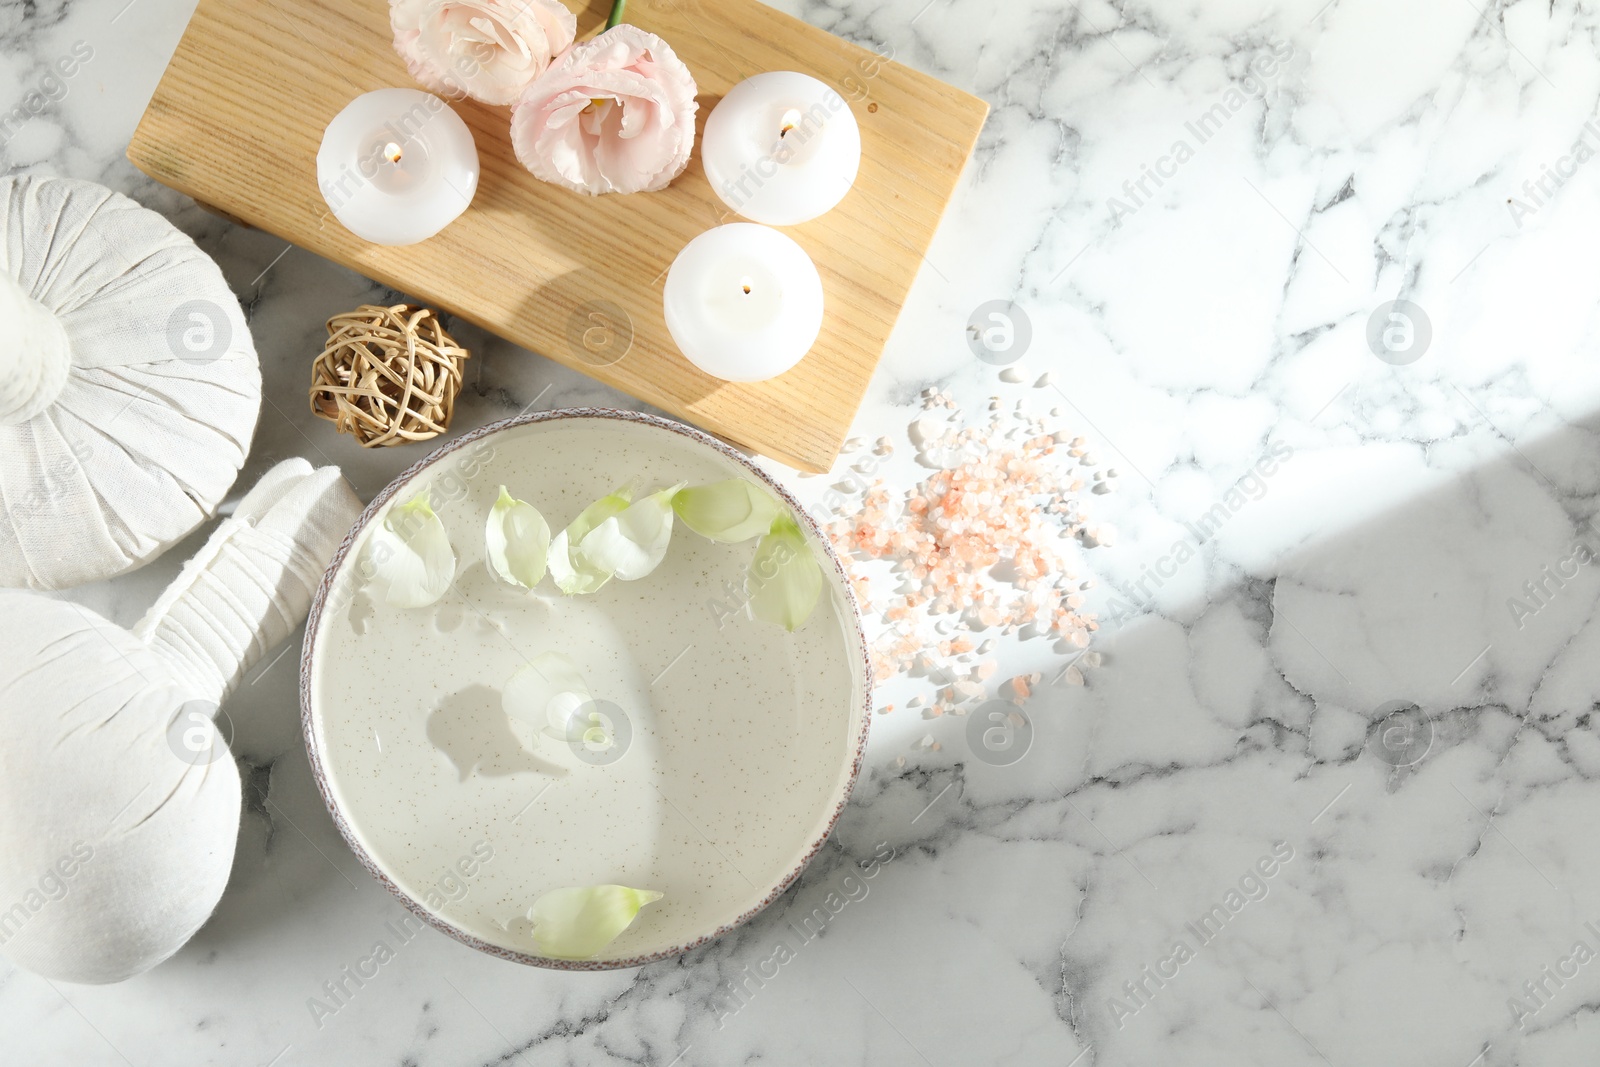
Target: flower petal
pixel 785 580
pixel 632 543
pixel 544 692
pixel 578 923
pixel 408 555
pixel 734 510
pixel 572 570
pixel 517 540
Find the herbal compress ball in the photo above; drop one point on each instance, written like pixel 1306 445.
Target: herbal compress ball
pixel 119 805
pixel 129 386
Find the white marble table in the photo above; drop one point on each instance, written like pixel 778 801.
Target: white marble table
pixel 1201 207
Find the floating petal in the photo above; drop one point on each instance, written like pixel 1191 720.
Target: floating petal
pixel 544 693
pixel 576 924
pixel 785 580
pixel 572 571
pixel 632 543
pixel 408 558
pixel 517 540
pixel 734 510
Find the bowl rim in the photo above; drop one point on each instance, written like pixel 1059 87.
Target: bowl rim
pixel 313 622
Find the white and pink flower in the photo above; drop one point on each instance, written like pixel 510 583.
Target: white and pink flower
pixel 490 50
pixel 612 115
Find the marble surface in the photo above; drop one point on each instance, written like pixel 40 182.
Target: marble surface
pixel 1223 848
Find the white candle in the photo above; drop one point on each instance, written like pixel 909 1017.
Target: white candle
pixel 396 166
pixel 743 302
pixel 781 148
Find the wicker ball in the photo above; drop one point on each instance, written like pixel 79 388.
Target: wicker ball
pixel 388 375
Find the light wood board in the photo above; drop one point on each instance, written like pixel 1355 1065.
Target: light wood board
pixel 237 119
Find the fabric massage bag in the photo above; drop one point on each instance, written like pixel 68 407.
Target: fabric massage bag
pixel 129 384
pixel 118 813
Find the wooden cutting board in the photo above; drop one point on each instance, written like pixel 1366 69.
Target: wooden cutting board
pixel 237 119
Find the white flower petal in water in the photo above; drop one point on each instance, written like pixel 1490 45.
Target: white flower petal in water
pixel 544 693
pixel 734 510
pixel 572 570
pixel 578 923
pixel 632 543
pixel 785 580
pixel 408 556
pixel 517 540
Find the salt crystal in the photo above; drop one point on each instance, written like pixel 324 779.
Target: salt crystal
pixel 1012 374
pixel 1047 378
pixel 924 430
pixel 851 445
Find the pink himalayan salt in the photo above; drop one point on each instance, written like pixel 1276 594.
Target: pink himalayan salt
pixel 948 533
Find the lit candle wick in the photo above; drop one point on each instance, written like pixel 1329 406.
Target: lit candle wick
pixel 791 119
pixel 744 283
pixel 391 152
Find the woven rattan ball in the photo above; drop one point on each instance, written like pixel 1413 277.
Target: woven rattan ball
pixel 388 375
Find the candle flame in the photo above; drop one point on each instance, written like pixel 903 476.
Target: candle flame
pixel 791 119
pixel 391 152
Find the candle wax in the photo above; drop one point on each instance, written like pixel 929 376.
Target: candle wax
pixel 781 148
pixel 743 302
pixel 396 166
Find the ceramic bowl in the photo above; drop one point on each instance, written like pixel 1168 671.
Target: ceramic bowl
pixel 736 742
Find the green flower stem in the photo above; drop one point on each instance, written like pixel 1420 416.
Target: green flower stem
pixel 616 13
